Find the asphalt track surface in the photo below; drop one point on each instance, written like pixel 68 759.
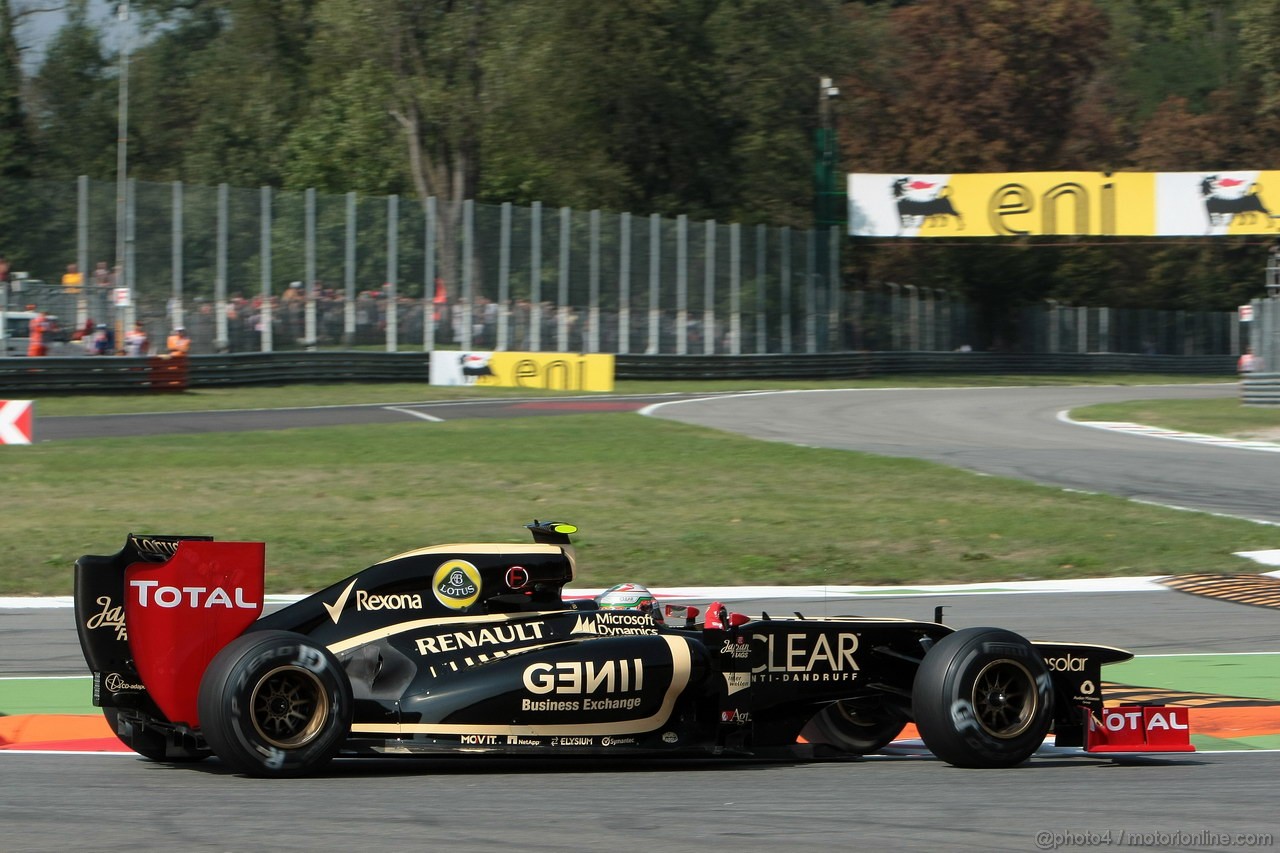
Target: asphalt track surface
pixel 903 801
pixel 1012 432
pixel 906 801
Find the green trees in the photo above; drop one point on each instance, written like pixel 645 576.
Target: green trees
pixel 17 148
pixel 17 151
pixel 73 102
pixel 703 107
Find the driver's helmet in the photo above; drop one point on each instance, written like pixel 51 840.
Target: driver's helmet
pixel 630 596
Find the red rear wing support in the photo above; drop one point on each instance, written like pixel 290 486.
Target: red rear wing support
pixel 1138 728
pixel 181 613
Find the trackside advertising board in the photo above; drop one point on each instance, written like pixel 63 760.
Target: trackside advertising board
pixel 555 371
pixel 1016 204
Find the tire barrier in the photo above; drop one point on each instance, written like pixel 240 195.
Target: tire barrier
pixel 93 375
pixel 860 365
pixel 1260 389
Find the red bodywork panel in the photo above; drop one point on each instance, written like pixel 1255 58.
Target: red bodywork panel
pixel 1139 728
pixel 180 613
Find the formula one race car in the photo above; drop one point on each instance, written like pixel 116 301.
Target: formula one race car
pixel 473 648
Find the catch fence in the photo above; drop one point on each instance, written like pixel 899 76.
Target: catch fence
pixel 263 270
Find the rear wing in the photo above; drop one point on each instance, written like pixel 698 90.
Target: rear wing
pixel 152 616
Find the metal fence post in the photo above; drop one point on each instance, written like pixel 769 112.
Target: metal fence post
pixel 562 293
pixel 834 293
pixel 131 260
pixel 682 284
pixel 82 250
pixel 309 266
pixel 943 320
pixel 762 323
pixel 1270 332
pixel 393 272
pixel 220 342
pixel 895 322
pixel 735 289
pixel 264 216
pixel 504 278
pixel 913 317
pixel 176 315
pixel 785 239
pixel 349 271
pixel 857 321
pixel 810 295
pixel 709 289
pixel 655 257
pixel 431 314
pixel 535 277
pixel 468 270
pixel 930 341
pixel 624 283
pixel 593 284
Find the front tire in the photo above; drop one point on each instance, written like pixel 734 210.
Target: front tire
pixel 273 703
pixel 983 698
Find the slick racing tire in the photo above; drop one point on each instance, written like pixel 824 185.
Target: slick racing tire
pixel 858 727
pixel 274 703
pixel 983 698
pixel 150 743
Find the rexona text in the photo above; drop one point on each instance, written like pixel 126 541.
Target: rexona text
pixel 389 601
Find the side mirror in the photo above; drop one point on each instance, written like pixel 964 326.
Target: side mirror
pixel 690 613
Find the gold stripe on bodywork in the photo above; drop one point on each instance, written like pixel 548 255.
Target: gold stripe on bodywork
pixel 500 549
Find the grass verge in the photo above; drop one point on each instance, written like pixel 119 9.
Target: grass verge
pixel 658 502
pixel 1226 417
pixel 219 399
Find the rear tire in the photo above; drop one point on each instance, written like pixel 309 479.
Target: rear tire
pixel 274 703
pixel 983 698
pixel 858 727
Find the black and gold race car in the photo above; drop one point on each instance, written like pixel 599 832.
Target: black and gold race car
pixel 474 648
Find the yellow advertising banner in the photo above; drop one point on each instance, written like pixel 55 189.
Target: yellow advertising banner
pixel 555 371
pixel 1016 204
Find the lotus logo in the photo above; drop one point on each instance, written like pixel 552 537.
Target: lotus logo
pixel 457 584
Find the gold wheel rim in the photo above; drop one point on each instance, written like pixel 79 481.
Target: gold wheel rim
pixel 1005 699
pixel 289 707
